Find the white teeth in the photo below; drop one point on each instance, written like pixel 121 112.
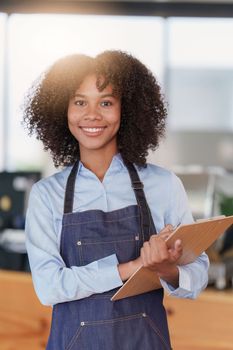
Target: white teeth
pixel 92 129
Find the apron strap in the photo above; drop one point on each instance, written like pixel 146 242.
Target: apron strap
pixel 147 223
pixel 69 193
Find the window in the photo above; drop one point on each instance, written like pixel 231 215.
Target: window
pixel 200 64
pixel 2 95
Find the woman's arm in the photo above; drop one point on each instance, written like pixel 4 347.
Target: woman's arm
pixel 53 281
pixel 181 281
pixel 193 277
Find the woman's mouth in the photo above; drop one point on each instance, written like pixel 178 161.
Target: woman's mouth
pixel 94 131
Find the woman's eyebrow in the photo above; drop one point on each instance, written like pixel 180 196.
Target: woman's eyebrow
pixel 108 95
pixel 79 95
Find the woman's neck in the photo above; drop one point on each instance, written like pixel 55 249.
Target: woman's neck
pixel 98 162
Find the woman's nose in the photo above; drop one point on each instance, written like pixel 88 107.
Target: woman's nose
pixel 93 113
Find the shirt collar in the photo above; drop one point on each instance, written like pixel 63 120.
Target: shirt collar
pixel 117 159
pixel 117 163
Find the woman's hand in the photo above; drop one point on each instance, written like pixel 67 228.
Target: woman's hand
pixel 156 256
pixel 163 260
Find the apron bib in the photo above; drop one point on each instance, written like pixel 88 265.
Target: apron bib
pixel 97 323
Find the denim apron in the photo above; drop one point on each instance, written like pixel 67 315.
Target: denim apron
pixel 96 322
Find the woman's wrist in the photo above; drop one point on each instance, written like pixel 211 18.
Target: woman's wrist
pixel 127 269
pixel 172 277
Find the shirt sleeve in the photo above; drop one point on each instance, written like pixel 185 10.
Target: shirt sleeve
pixel 53 281
pixel 193 277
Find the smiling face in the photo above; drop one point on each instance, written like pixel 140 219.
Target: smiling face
pixel 94 117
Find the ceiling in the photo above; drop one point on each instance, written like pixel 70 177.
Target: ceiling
pixel 165 8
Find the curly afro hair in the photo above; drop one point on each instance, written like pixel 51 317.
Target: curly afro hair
pixel 143 112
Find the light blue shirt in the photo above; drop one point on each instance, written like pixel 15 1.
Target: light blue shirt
pixel 53 281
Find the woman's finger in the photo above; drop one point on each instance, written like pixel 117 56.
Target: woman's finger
pixel 176 252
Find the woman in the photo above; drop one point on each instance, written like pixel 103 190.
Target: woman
pixel 91 225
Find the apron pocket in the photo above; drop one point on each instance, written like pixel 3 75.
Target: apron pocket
pixel 125 249
pixel 126 333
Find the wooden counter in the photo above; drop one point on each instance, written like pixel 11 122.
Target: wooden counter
pixel 24 322
pixel 202 324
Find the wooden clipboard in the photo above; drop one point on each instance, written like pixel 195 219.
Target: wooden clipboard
pixel 195 237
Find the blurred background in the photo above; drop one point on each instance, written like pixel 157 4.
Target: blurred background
pixel 188 45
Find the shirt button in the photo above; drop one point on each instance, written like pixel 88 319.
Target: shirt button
pixel 79 243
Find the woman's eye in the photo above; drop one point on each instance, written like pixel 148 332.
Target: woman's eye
pixel 106 103
pixel 80 103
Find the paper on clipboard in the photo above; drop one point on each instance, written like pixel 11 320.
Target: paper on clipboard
pixel 195 237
